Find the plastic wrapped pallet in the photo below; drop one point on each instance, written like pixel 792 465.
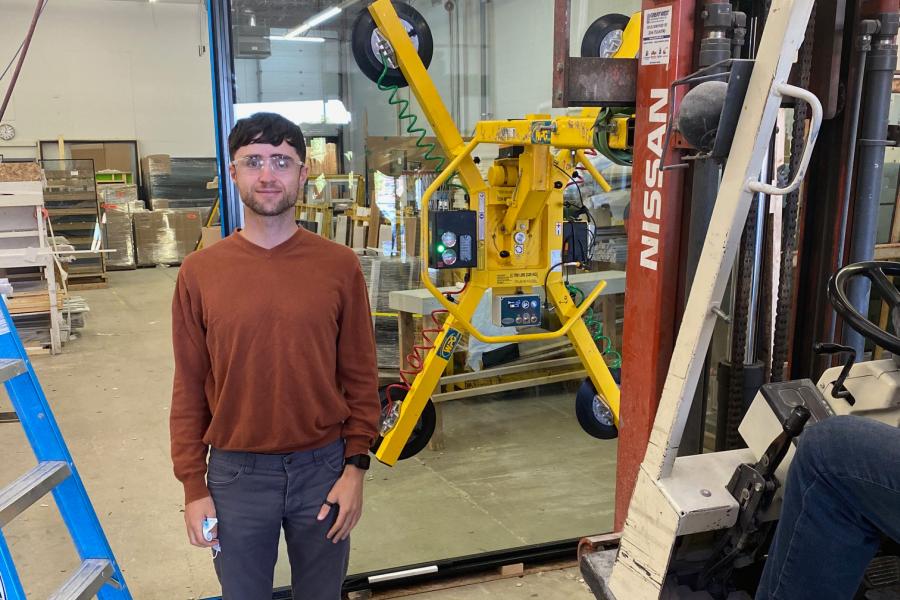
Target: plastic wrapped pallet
pixel 165 237
pixel 115 193
pixel 383 275
pixel 118 202
pixel 172 182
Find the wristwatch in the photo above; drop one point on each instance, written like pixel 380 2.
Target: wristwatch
pixel 360 461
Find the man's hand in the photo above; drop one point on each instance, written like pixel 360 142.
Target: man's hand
pixel 194 513
pixel 346 498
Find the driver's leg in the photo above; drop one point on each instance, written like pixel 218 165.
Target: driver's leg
pixel 842 493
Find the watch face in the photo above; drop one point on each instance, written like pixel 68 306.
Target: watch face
pixel 7 132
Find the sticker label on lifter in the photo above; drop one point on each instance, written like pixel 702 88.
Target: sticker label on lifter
pixel 516 278
pixel 656 35
pixel 451 340
pixel 540 132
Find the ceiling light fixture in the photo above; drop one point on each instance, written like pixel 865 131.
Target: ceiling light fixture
pixel 282 38
pixel 315 20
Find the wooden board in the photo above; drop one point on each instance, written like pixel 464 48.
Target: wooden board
pixel 32 302
pixel 20 172
pixel 93 282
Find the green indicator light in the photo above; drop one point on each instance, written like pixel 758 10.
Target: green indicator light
pixel 441 248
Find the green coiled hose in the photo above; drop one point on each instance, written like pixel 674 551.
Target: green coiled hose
pixel 411 127
pixel 596 329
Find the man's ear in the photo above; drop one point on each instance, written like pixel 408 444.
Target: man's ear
pixel 304 174
pixel 232 171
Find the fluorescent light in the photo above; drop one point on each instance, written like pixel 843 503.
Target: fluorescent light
pixel 314 21
pixel 313 112
pixel 282 38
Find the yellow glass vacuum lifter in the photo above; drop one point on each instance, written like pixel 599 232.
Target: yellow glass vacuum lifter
pixel 523 195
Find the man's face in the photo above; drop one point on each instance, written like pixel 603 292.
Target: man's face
pixel 268 177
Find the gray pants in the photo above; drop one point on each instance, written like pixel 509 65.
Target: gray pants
pixel 255 496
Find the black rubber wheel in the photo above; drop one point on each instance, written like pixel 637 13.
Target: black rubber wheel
pixel 369 60
pixel 592 413
pixel 421 433
pixel 601 38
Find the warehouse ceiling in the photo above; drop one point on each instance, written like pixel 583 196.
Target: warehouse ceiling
pixel 271 13
pixel 167 1
pixel 280 13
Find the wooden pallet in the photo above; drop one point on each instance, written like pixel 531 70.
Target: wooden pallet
pixel 89 282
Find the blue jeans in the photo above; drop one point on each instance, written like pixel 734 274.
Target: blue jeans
pixel 842 493
pixel 256 495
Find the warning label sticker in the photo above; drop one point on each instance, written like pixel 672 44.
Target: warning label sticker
pixel 516 278
pixel 656 36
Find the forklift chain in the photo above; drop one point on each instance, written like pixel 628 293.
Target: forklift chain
pixel 740 319
pixel 791 214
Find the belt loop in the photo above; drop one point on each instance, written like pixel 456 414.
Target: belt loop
pixel 317 456
pixel 249 462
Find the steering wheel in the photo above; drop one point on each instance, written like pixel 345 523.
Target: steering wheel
pixel 876 272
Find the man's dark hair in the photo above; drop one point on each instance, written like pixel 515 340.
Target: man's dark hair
pixel 266 128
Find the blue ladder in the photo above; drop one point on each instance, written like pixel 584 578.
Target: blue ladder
pixel 99 574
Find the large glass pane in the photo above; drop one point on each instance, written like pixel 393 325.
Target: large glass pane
pixel 509 468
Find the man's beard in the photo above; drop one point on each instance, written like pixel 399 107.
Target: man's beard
pixel 286 203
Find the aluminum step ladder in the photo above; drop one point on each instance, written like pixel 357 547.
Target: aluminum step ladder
pixel 99 574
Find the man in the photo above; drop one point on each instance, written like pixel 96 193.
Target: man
pixel 842 494
pixel 275 377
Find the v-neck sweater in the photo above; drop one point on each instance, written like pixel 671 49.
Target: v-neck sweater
pixel 274 353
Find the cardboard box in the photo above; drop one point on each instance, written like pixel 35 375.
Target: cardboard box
pixel 210 235
pixel 165 237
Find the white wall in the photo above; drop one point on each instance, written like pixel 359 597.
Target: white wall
pixel 102 69
pixel 108 69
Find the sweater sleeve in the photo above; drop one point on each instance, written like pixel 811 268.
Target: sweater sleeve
pixel 189 416
pixel 357 369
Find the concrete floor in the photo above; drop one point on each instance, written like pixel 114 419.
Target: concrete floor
pixel 516 470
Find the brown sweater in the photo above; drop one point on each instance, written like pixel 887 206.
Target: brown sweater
pixel 274 353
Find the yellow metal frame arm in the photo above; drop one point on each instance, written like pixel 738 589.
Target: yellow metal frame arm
pixel 426 93
pixel 600 179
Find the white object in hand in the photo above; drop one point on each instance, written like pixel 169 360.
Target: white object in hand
pixel 208 525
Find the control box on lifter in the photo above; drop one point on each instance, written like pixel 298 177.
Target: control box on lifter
pixel 453 239
pixel 519 310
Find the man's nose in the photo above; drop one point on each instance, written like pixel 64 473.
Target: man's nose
pixel 266 172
